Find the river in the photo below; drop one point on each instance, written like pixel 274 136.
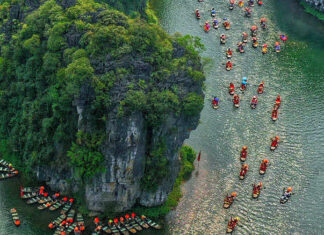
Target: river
pixel 297 73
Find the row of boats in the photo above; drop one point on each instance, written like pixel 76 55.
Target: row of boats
pixel 7 170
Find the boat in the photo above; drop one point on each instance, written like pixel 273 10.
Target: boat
pixel 57 221
pixel 151 223
pixel 45 205
pixel 29 195
pixel 285 196
pixel 56 205
pixel 228 27
pixel 5 169
pixel 30 189
pixel 227 204
pixel 33 200
pixel 129 227
pixel 4 163
pixel 6 175
pixel 66 208
pixel 134 224
pixel 44 200
pixel 71 214
pixel 122 229
pixel 255 44
pixel 243 171
pixel 71 228
pixel 222 40
pixel 253 106
pixel 15 216
pixel 141 223
pixel 215 106
pixel 274 118
pixel 236 105
pixel 255 192
pixel 230 226
pixel 264 50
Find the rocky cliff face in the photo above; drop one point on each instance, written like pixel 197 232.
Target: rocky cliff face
pixel 317 4
pixel 166 68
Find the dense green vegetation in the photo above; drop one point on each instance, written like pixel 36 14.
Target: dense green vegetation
pixel 187 157
pixel 309 9
pixel 58 57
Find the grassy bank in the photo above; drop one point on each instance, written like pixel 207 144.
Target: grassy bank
pixel 310 10
pixel 187 157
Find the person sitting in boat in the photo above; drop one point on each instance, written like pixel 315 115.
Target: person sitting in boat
pixel 244 169
pixel 275 141
pixel 207 26
pixel 278 100
pixel 223 37
pixel 275 113
pixel 264 164
pixel 236 99
pixel 248 11
pixel 262 22
pixel 243 85
pixel 261 87
pixel 240 47
pixel 254 29
pixel 230 199
pixel 257 188
pixel 231 88
pixel 241 3
pixel 232 223
pixel 254 100
pixel 260 2
pixel 244 37
pixel 288 192
pixel 264 48
pixel 215 23
pixel 277 46
pixel 251 2
pixel 229 52
pixel 226 23
pixel 229 65
pixel 213 12
pixel 231 4
pixel 244 152
pixel 215 101
pixel 197 14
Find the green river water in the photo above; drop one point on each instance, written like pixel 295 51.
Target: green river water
pixel 297 73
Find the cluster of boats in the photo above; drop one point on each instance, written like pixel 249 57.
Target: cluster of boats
pixel 128 224
pixel 7 170
pixel 257 188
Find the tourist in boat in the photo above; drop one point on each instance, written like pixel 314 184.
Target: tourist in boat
pixel 243 84
pixel 231 4
pixel 241 3
pixel 243 171
pixel 254 102
pixel 231 89
pixel 207 26
pixel 277 47
pixel 236 101
pixel 254 30
pixel 223 39
pixel 255 42
pixel 278 100
pixel 262 23
pixel 261 88
pixel 213 12
pixel 229 65
pixel 248 12
pixel 274 114
pixel 226 24
pixel 263 166
pixel 260 2
pixel 197 14
pixel 265 49
pixel 229 199
pixel 244 37
pixel 229 53
pixel 215 102
pixel 251 3
pixel 257 189
pixel 240 47
pixel 286 195
pixel 232 224
pixel 243 153
pixel 215 24
pixel 274 142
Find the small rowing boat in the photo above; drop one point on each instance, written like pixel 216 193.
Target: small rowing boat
pixel 15 216
pixel 56 205
pixel 57 221
pixel 66 208
pixel 29 195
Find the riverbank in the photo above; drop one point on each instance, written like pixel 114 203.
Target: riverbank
pixel 311 10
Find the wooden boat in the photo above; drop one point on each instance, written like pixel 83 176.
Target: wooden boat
pixel 215 106
pixel 79 219
pixel 256 195
pixel 44 200
pixel 228 68
pixel 56 205
pixel 4 163
pixel 71 228
pixel 114 229
pixel 264 50
pixel 129 227
pixel 274 119
pixel 29 195
pixel 236 105
pixel 71 214
pixel 122 229
pixel 5 169
pixel 15 216
pixel 59 230
pixel 57 221
pixel 141 223
pixel 227 204
pixel 134 224
pixel 6 175
pixel 45 205
pixel 66 208
pixel 33 200
pixel 261 172
pixel 30 189
pixel 255 45
pixel 152 223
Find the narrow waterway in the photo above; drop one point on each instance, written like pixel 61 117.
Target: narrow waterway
pixel 297 74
